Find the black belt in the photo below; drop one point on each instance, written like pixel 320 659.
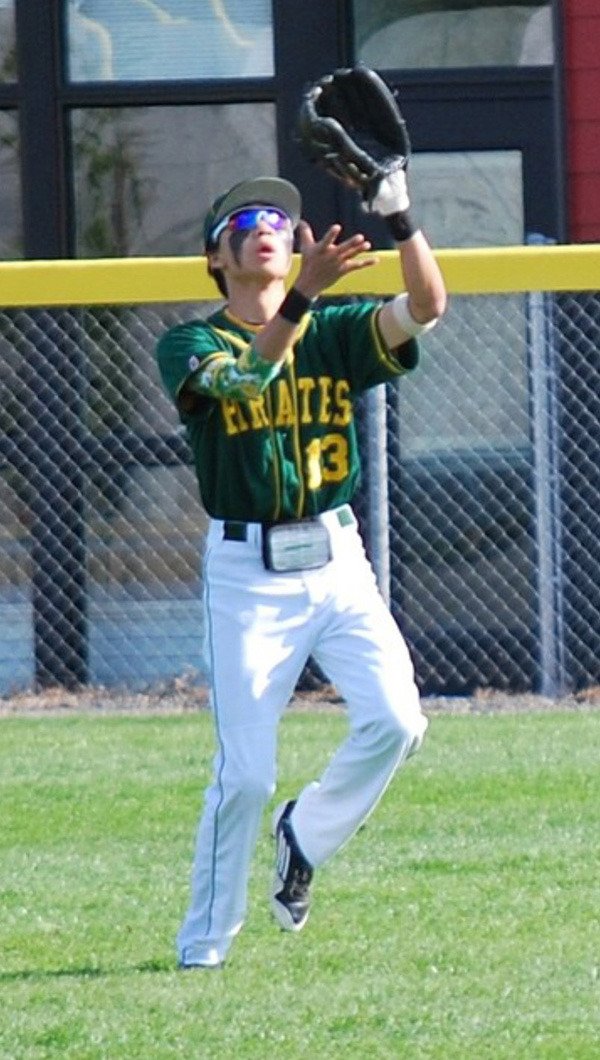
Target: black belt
pixel 234 530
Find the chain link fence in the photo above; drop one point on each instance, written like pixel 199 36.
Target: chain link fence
pixel 480 504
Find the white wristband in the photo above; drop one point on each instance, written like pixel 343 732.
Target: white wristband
pixel 406 321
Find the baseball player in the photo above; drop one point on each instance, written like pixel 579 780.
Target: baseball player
pixel 265 388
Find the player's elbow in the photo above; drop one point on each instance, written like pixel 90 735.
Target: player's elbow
pixel 439 304
pixel 430 307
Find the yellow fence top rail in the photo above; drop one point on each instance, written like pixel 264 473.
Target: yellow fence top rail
pixel 131 281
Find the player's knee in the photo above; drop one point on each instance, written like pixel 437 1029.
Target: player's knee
pixel 401 733
pixel 413 726
pixel 416 734
pixel 252 787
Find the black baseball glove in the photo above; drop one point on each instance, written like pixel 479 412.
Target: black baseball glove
pixel 351 125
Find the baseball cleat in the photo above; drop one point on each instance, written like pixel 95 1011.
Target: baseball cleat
pixel 290 899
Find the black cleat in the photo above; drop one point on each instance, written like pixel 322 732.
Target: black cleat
pixel 290 899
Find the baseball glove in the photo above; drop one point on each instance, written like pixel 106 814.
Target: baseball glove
pixel 350 124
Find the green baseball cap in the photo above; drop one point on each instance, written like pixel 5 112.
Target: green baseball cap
pixel 267 191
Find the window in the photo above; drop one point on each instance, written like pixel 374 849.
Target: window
pixel 8 59
pixel 145 176
pixel 11 236
pixel 469 198
pixel 425 34
pixel 133 40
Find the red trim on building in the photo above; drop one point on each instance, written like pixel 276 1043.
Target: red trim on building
pixel 581 49
pixel 583 43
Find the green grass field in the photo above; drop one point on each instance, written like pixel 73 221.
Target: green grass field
pixel 461 922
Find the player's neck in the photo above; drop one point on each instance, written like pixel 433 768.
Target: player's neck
pixel 256 305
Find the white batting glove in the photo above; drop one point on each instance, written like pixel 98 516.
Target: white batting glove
pixel 392 195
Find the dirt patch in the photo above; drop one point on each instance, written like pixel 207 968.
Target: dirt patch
pixel 180 697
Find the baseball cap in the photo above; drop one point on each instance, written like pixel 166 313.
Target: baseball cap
pixel 270 191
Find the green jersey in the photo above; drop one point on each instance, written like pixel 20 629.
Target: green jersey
pixel 288 449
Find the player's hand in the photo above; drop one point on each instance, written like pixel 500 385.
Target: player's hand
pixel 326 261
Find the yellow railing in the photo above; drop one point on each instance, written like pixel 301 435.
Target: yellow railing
pixel 115 281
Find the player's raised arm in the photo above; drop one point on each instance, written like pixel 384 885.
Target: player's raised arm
pixel 418 309
pixel 350 124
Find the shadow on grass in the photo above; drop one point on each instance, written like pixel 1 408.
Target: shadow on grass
pixel 41 974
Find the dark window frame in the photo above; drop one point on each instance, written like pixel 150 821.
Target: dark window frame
pixel 44 97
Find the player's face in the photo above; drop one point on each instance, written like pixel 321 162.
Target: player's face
pixel 256 238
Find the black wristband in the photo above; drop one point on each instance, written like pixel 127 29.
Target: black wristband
pixel 401 225
pixel 294 306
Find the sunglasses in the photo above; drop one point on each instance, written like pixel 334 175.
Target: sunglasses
pixel 250 217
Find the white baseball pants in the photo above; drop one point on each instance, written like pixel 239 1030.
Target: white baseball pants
pixel 261 627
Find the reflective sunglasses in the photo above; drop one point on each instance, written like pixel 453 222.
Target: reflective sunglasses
pixel 250 217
